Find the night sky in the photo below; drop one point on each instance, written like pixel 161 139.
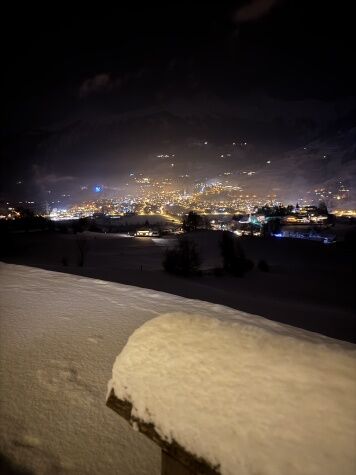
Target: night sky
pixel 93 93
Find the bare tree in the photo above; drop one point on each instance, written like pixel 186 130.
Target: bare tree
pixel 82 246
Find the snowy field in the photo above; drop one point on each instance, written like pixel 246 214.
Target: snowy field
pixel 309 285
pixel 59 336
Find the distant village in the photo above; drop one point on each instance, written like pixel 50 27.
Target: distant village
pixel 313 222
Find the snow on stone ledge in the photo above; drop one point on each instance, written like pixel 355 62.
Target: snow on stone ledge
pixel 249 395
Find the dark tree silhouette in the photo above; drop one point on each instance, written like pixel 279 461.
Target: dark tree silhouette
pixel 234 259
pixel 25 212
pixel 192 221
pixel 184 259
pixel 322 208
pixel 82 246
pixel 272 226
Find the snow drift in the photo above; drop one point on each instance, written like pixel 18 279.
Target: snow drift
pixel 246 394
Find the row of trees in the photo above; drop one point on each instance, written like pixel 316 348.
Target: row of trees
pixel 193 221
pixel 185 260
pixel 280 210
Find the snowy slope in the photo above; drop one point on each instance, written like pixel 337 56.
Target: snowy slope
pixel 321 163
pixel 248 395
pixel 59 336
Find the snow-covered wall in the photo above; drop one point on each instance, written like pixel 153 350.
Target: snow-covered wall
pixel 246 394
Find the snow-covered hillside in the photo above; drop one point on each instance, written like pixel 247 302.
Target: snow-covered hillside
pixel 326 162
pixel 59 336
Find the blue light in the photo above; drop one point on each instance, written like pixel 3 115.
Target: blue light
pixel 98 188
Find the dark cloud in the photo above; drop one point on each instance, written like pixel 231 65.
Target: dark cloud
pixel 100 83
pixel 43 178
pixel 107 82
pixel 254 9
